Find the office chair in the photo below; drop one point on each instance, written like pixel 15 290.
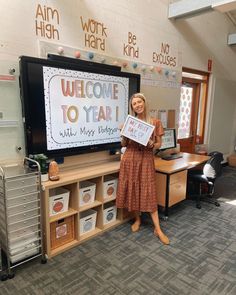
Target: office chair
pixel 203 181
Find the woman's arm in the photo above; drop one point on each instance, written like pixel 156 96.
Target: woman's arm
pixel 155 145
pixel 124 141
pixel 156 139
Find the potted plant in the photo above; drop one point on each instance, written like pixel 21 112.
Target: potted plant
pixel 43 162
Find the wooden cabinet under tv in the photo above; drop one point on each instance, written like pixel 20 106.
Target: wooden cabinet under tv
pixel 63 230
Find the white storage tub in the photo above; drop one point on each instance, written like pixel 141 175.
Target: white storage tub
pixel 109 186
pixel 86 192
pixel 109 214
pixel 58 200
pixel 87 221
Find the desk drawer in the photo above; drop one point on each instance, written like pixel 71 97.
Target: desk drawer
pixel 178 177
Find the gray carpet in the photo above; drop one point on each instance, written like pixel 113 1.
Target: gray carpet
pixel 200 260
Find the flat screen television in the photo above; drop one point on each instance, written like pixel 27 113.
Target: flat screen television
pixel 168 139
pixel 72 107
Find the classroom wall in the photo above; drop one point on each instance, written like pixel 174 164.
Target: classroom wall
pixel 204 37
pixel 144 26
pixel 221 119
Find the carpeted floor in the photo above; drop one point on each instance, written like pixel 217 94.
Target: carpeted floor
pixel 201 259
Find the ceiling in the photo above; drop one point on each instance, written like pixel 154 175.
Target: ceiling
pixel 189 8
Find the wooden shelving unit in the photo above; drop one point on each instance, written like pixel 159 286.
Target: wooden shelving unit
pixel 71 180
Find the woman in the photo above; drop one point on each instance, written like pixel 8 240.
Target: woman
pixel 137 185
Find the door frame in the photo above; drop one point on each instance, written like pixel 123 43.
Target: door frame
pixel 200 81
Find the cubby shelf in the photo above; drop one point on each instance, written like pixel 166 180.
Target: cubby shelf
pixel 102 207
pixel 68 213
pixel 111 224
pixel 90 234
pixel 89 206
pixel 109 199
pixel 64 248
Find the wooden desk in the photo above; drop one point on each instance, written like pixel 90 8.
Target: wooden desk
pixel 171 178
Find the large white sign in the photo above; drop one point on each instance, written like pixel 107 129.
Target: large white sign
pixel 83 108
pixel 137 130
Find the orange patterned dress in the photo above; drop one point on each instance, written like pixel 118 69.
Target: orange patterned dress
pixel 137 185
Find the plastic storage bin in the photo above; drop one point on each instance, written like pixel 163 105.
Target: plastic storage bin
pixel 28 250
pixel 87 221
pixel 109 214
pixel 87 192
pixel 62 231
pixel 58 201
pixel 109 187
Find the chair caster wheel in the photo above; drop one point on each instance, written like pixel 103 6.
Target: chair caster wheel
pixel 198 206
pixel 217 204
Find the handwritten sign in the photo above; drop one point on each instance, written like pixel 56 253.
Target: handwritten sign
pixel 137 130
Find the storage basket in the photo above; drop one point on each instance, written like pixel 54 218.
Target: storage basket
pixel 58 200
pixel 87 192
pixel 109 187
pixel 87 221
pixel 109 214
pixel 62 231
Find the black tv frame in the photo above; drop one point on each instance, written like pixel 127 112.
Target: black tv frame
pixel 33 109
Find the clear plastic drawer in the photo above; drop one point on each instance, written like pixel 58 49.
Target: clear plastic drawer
pixel 23 224
pixel 21 182
pixel 22 216
pixel 24 231
pixel 22 199
pixel 21 191
pixel 22 241
pixel 26 252
pixel 22 208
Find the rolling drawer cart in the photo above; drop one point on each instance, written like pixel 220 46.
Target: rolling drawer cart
pixel 21 234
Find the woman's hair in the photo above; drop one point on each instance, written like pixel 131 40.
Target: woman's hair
pixel 146 107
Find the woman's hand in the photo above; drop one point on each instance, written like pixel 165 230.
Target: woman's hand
pixel 150 144
pixel 120 126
